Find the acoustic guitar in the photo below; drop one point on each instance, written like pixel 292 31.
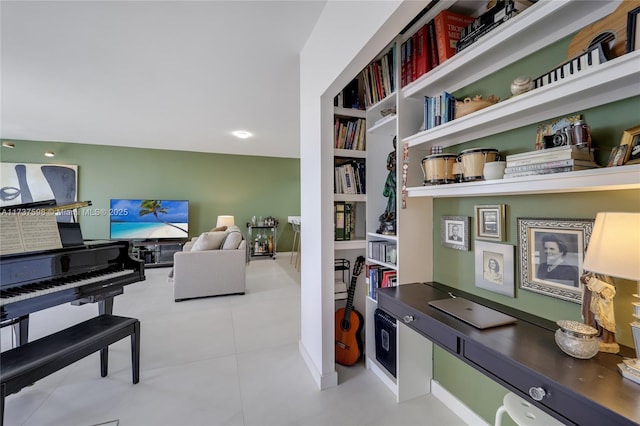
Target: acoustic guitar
pixel 349 324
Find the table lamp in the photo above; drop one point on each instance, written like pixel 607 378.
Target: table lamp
pixel 614 250
pixel 225 220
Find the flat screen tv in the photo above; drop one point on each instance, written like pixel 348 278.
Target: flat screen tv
pixel 148 219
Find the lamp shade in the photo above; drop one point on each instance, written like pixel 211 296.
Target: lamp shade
pixel 614 246
pixel 225 220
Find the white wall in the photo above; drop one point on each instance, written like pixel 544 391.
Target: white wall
pixel 348 35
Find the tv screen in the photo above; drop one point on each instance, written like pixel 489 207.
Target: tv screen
pixel 149 219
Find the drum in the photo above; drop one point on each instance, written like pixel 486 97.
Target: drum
pixel 438 168
pixel 473 160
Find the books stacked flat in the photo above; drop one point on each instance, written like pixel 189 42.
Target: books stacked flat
pixel 566 158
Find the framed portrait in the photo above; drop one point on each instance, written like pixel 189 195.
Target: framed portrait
pixel 633 35
pixel 494 267
pixel 454 232
pixel 490 222
pixel 551 255
pixel 631 139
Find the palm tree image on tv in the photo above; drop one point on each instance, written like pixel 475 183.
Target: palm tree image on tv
pixel 155 207
pixel 138 219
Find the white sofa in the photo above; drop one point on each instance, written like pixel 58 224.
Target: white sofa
pixel 212 264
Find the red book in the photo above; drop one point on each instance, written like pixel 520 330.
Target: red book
pixel 448 26
pixel 422 52
pixel 433 46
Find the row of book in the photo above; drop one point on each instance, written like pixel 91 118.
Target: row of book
pixel 438 109
pixel 349 176
pixel 349 133
pixel 501 12
pixel 379 78
pixel 344 221
pixel 383 251
pixel 431 45
pixel 566 158
pixel 351 96
pixel 380 277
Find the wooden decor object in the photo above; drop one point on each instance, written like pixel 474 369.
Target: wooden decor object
pixel 612 29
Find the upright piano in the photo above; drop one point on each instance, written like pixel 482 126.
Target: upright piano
pixel 92 272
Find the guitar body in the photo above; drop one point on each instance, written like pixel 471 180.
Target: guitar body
pixel 349 323
pixel 348 337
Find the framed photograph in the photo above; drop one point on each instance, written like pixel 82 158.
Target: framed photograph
pixel 631 139
pixel 454 232
pixel 551 255
pixel 495 267
pixel 633 35
pixel 617 156
pixel 490 222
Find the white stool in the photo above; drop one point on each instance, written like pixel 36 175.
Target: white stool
pixel 523 413
pixel 295 247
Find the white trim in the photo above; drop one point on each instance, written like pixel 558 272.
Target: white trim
pixel 458 407
pixel 323 382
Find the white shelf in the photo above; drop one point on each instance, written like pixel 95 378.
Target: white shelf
pixel 349 153
pixel 602 179
pixel 350 245
pixel 609 82
pixel 349 112
pixel 535 28
pixel 385 126
pixel 354 198
pixel 375 235
pixel 386 265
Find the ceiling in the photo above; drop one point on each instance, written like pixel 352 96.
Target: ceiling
pixel 178 75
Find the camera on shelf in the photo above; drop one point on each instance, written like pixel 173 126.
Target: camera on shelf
pixel 560 138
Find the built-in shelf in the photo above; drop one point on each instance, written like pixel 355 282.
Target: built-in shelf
pixel 602 179
pixel 375 236
pixel 609 82
pixel 385 125
pixel 386 265
pixel 350 245
pixel 349 153
pixel 349 112
pixel 534 28
pixel 354 198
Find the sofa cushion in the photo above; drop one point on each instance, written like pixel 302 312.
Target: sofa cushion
pixel 219 228
pixel 233 240
pixel 209 241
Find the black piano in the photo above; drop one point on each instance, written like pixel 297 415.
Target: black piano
pixel 95 271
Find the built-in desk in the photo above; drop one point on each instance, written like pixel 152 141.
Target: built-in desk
pixel 522 356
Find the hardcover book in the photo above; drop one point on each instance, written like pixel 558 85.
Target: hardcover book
pixel 448 26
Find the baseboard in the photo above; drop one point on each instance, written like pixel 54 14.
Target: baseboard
pixel 322 381
pixel 454 404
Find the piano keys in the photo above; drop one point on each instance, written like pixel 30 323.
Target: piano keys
pixel 95 271
pixel 591 58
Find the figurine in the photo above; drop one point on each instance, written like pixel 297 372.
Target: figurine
pixel 388 218
pixel 597 309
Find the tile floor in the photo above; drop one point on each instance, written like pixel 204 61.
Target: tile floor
pixel 230 360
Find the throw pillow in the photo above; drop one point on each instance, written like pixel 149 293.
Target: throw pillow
pixel 232 241
pixel 209 241
pixel 220 228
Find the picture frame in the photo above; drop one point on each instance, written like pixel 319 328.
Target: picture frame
pixel 551 252
pixel 633 36
pixel 454 232
pixel 617 157
pixel 494 267
pixel 631 139
pixel 490 222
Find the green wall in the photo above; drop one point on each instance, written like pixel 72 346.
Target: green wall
pixel 456 268
pixel 214 184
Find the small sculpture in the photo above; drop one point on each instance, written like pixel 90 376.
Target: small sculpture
pixel 469 105
pixel 597 309
pixel 388 218
pixel 521 85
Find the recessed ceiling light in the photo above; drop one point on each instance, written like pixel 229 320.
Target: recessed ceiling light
pixel 242 134
pixel 8 144
pixel 49 154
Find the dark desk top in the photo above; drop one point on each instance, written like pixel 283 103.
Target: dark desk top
pixel 522 355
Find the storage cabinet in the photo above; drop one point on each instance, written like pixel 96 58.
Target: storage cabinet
pixel 156 253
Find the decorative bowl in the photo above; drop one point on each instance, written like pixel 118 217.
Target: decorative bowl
pixel 577 339
pixel 469 105
pixel 521 84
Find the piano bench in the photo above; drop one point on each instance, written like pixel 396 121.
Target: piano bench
pixel 28 363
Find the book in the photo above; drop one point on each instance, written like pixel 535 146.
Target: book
pixel 551 170
pixel 565 152
pixel 422 56
pixel 448 26
pixel 339 220
pixel 433 44
pixel 550 164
